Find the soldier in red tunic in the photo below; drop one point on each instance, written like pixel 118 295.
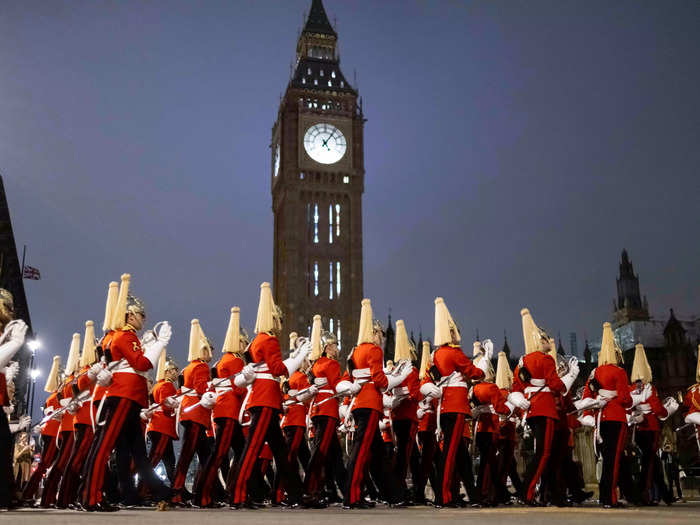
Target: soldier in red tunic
pixel 455 370
pixel 427 425
pixel 265 402
pixel 535 385
pixel 691 403
pixel 507 437
pixel 229 397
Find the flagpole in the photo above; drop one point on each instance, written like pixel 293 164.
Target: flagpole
pixel 24 253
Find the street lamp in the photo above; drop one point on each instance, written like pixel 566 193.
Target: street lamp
pixel 35 373
pixel 33 345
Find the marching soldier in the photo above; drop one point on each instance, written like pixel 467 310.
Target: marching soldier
pixel 608 386
pixel 535 385
pixel 691 403
pixel 195 408
pixel 326 462
pixel 161 430
pixel 126 396
pixel 507 437
pixel 265 402
pixel 404 421
pixel 229 433
pixel 427 425
pixel 49 431
pixel 455 369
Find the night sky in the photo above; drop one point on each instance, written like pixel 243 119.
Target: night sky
pixel 512 150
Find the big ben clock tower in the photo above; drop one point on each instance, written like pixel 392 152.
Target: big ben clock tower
pixel 317 181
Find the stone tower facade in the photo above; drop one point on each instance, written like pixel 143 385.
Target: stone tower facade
pixel 629 305
pixel 317 181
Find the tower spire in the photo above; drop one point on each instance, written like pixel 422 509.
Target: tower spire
pixel 318 22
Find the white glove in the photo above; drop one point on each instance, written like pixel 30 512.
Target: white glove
pixel 671 406
pixel 394 381
pixel 104 378
pixel 208 400
pixel 17 330
pixel 11 371
pixel 307 394
pixel 387 401
pixel 171 402
pixel 48 411
pixel 145 414
pixel 587 403
pixel 64 402
pixel 642 397
pixel 293 362
pixel 245 377
pixel 431 390
pixel 420 413
pixel 487 345
pixel 518 399
pixel 587 421
pixel 569 378
pixel 693 418
pixel 343 411
pixel 635 417
pixel 24 422
pixel 93 371
pixel 601 401
pixel 384 425
pixel 343 388
pixel 482 365
pixel 152 350
pixel 510 406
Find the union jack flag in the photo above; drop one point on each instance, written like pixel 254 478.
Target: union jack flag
pixel 31 273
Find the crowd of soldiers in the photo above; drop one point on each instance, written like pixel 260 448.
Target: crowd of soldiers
pixel 303 432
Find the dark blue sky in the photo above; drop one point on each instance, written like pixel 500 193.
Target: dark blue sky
pixel 512 150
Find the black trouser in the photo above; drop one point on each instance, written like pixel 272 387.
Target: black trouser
pixel 195 440
pixel 427 469
pixel 264 427
pixel 613 434
pixel 161 449
pixel 486 481
pixel 7 485
pixel 68 488
pixel 553 487
pixel 326 462
pixel 229 436
pixel 573 471
pixel 507 467
pixel 652 474
pixel 405 431
pixel 48 454
pixel 543 432
pixel 368 452
pixel 455 460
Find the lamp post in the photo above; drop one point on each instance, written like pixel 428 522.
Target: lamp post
pixel 33 345
pixel 34 373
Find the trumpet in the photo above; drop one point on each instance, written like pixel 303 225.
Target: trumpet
pixel 149 336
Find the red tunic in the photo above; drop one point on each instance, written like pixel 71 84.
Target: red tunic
pixel 328 369
pixel 296 412
pixel 408 407
pixel 51 426
pixel 542 368
pixel 85 385
pixel 429 420
pixel 490 394
pixel 163 419
pixel 228 404
pixel 266 392
pixel 691 400
pixel 196 378
pixel 449 359
pixel 129 378
pixel 611 377
pixel 67 419
pixel 4 395
pixel 653 410
pixel 368 358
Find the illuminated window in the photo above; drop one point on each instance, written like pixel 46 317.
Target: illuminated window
pixel 308 70
pixel 337 278
pixel 329 83
pixel 337 220
pixel 316 279
pixel 333 74
pixel 339 345
pixel 315 82
pixel 330 324
pixel 303 80
pixel 322 72
pixel 346 180
pixel 316 224
pixel 342 84
pixel 330 280
pixel 330 224
pixel 301 175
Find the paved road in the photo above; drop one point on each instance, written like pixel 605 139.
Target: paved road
pixel 677 514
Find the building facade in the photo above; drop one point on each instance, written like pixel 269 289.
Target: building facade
pixel 317 181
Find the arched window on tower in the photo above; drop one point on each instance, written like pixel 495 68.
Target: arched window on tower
pixel 316 278
pixel 337 278
pixel 330 280
pixel 330 224
pixel 316 224
pixel 337 220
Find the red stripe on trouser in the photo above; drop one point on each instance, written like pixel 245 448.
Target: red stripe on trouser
pixel 449 468
pixel 255 443
pixel 317 464
pixel 546 452
pixel 291 457
pixel 159 449
pixel 358 472
pixel 92 493
pixel 48 497
pixel 186 454
pixel 223 443
pixel 47 457
pixel 616 470
pixel 69 483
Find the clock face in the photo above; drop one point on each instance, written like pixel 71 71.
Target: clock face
pixel 277 161
pixel 325 143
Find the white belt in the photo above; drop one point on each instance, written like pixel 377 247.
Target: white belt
pixel 607 394
pixel 644 408
pixel 456 381
pixel 326 391
pixel 535 389
pixel 263 375
pixel 126 368
pixel 537 382
pixel 320 381
pixel 361 373
pixel 262 368
pixel 222 389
